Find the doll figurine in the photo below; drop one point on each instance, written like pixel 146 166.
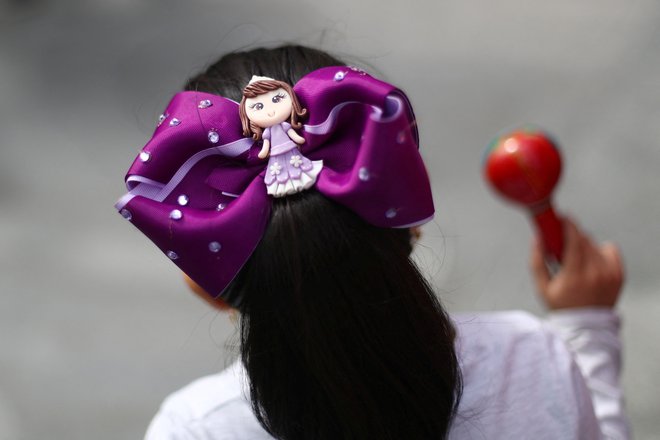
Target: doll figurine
pixel 269 111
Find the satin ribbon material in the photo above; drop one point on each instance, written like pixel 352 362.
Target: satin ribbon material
pixel 199 164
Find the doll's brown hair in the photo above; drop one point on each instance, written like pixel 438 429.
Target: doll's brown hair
pixel 259 88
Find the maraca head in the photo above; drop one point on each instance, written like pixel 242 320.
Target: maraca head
pixel 524 166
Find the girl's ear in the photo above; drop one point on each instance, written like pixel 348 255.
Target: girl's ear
pixel 216 303
pixel 415 235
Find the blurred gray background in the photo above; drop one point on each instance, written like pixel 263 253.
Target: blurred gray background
pixel 96 327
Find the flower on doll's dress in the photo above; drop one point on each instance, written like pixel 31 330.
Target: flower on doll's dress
pixel 296 161
pixel 275 169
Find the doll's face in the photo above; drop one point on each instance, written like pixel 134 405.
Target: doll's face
pixel 269 109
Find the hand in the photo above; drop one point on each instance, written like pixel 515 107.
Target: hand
pixel 590 275
pixel 264 149
pixel 295 137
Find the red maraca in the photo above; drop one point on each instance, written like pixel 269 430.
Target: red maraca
pixel 524 166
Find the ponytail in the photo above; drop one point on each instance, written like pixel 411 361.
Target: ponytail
pixel 341 336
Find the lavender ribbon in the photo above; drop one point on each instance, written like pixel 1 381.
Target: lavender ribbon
pixel 197 187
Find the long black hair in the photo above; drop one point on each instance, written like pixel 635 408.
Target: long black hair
pixel 341 336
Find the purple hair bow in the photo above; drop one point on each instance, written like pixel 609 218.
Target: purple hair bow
pixel 197 188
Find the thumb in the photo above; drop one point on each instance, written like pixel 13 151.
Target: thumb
pixel 574 241
pixel 612 255
pixel 540 271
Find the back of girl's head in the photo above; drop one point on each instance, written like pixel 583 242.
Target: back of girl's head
pixel 341 336
pixel 231 73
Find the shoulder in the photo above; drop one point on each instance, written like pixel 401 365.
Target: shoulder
pixel 511 327
pixel 214 407
pixel 497 342
pixel 285 126
pixel 516 370
pixel 505 319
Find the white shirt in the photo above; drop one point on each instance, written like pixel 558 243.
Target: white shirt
pixel 523 378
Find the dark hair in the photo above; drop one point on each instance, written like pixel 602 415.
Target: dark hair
pixel 341 336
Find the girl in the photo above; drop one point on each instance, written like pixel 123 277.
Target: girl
pixel 341 336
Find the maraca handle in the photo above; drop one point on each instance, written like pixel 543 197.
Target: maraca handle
pixel 552 231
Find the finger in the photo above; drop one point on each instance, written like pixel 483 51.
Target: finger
pixel 574 251
pixel 593 255
pixel 612 256
pixel 540 271
pixel 591 252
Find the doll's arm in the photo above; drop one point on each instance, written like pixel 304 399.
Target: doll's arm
pixel 264 150
pixel 295 137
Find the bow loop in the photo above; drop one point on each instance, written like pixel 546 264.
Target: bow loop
pixel 329 87
pixel 191 123
pixel 209 245
pixel 386 182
